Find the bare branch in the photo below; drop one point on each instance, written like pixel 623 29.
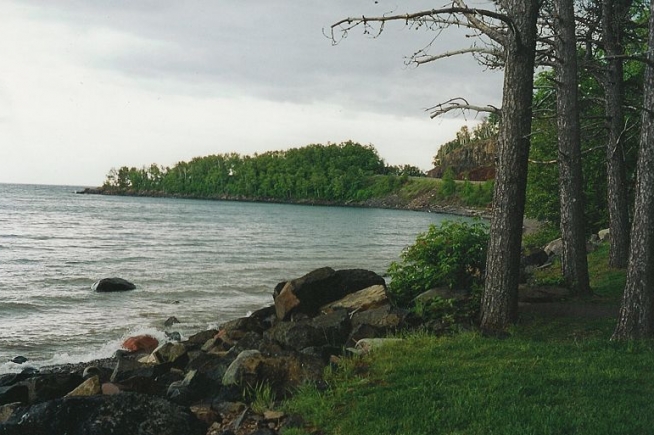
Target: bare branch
pixel 420 60
pixel 492 33
pixel 458 104
pixel 550 162
pixel 347 24
pixel 639 58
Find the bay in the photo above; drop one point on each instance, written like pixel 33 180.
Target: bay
pixel 204 262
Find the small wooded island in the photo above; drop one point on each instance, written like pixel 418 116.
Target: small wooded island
pixel 335 174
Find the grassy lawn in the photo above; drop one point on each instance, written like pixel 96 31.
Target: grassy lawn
pixel 552 375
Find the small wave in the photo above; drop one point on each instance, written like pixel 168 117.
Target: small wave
pixel 75 356
pixel 14 308
pixel 24 261
pixel 68 281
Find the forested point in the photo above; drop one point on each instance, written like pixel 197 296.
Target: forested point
pixel 345 173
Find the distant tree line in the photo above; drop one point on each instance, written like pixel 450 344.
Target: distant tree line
pixel 334 172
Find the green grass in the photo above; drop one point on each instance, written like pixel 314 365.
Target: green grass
pixel 551 376
pixel 417 186
pixel 473 385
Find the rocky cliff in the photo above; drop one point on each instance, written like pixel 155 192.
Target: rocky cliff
pixel 474 160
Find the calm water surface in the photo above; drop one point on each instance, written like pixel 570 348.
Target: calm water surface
pixel 203 262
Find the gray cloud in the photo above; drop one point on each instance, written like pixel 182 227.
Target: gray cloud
pixel 278 51
pixel 91 84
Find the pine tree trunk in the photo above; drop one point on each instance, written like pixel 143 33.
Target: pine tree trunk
pixel 573 228
pixel 636 318
pixel 500 299
pixel 613 12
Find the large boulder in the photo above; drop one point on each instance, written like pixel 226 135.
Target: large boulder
pixel 14 393
pixel 48 386
pixel 366 299
pixel 124 413
pixel 112 285
pixel 554 248
pixel 385 318
pixel 308 293
pixel 141 343
pixel 283 373
pixel 296 335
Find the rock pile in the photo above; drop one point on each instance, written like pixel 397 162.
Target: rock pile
pixel 202 385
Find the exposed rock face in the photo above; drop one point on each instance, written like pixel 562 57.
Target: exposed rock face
pixel 112 285
pixel 123 413
pixel 476 159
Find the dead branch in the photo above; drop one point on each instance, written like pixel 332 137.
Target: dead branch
pixel 458 104
pixel 471 14
pixel 423 59
pixel 550 162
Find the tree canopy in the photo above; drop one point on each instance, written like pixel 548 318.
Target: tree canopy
pixel 332 172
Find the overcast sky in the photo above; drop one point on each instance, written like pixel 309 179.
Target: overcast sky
pixel 89 85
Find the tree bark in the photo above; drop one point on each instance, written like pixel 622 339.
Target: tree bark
pixel 613 16
pixel 499 307
pixel 573 228
pixel 636 318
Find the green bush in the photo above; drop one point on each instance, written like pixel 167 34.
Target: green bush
pixel 451 255
pixel 448 186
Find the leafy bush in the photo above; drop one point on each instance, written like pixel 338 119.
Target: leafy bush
pixel 480 195
pixel 545 234
pixel 448 186
pixel 451 255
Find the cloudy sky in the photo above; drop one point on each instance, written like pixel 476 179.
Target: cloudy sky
pixel 88 85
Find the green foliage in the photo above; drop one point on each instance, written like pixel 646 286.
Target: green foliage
pixel 543 178
pixel 333 172
pixel 448 185
pixel 261 397
pixel 452 255
pixel 408 170
pixel 476 195
pixel 545 234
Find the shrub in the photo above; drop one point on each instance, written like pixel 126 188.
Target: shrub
pixel 452 255
pixel 448 186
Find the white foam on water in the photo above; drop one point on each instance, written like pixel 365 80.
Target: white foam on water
pixel 107 350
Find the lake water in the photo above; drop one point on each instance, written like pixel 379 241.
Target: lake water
pixel 204 262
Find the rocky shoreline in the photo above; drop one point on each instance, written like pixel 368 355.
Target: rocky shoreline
pixel 395 202
pixel 212 382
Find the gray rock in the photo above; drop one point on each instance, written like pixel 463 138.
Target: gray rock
pixel 296 335
pixel 7 410
pixel 186 390
pixel 171 321
pixel 604 235
pixel 368 298
pixel 554 248
pixel 19 359
pixel 384 318
pixel 123 413
pixel 14 393
pixel 112 285
pixel 235 369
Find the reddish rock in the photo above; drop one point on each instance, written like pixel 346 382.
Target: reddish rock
pixel 141 343
pixel 109 389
